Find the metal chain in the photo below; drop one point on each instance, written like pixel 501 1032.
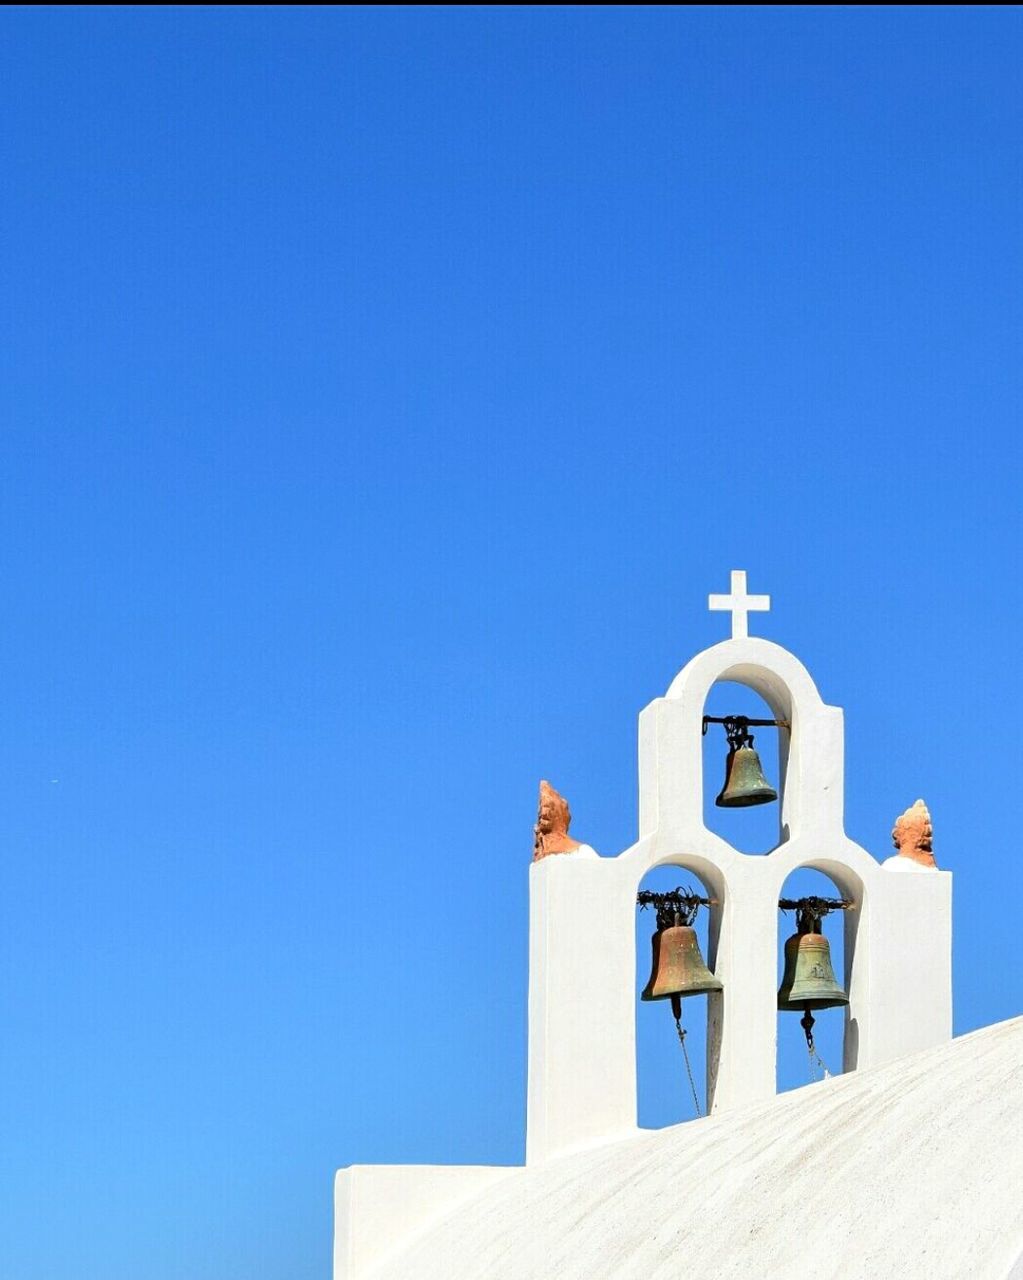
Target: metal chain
pixel 689 1069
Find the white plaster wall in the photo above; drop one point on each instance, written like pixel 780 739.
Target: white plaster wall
pixel 582 1006
pixel 381 1208
pixel 582 1039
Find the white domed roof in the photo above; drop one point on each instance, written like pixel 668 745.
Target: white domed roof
pixel 913 1169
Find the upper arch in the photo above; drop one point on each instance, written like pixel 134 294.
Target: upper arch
pixel 810 760
pixel 777 675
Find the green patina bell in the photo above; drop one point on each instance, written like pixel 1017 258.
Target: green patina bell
pixel 745 783
pixel 809 981
pixel 678 968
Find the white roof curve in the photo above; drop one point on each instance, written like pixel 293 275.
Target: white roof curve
pixel 914 1169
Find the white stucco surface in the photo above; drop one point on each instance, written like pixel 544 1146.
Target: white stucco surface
pixel 911 1163
pixel 913 1169
pixel 582 954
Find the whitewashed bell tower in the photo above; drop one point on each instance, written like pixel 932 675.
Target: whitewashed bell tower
pixel 582 955
pixel 582 959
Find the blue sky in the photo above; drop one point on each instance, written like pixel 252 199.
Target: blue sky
pixel 383 391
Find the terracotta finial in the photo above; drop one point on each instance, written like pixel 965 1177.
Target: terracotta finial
pixel 913 835
pixel 550 835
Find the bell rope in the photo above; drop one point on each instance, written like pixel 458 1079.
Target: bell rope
pixel 806 1022
pixel 676 1009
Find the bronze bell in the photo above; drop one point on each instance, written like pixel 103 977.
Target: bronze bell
pixel 678 968
pixel 745 783
pixel 809 981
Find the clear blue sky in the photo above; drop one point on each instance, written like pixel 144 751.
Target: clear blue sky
pixel 382 393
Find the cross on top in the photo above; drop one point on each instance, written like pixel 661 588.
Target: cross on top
pixel 739 604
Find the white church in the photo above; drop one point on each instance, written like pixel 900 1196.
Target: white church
pixel 908 1162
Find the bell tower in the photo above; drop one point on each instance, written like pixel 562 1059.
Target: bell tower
pixel 582 979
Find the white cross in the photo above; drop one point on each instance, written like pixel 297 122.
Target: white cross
pixel 739 604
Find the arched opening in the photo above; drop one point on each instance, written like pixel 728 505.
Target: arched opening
pixel 664 1089
pixel 795 1064
pixel 755 828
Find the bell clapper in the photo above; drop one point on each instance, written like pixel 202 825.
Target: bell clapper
pixel 806 1022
